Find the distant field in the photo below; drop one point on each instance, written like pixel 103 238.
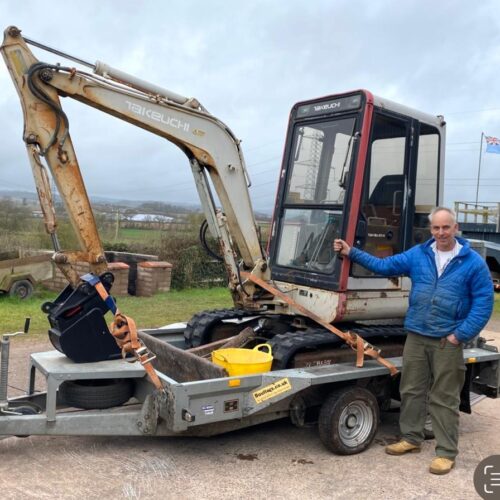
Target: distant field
pixel 139 235
pixel 148 312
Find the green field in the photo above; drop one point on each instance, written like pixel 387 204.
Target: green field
pixel 148 312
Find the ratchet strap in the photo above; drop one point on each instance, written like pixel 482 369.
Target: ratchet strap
pixel 124 331
pixel 355 341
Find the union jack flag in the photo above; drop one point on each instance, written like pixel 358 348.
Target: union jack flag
pixel 492 144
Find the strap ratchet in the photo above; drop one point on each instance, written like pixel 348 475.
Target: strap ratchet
pixel 124 331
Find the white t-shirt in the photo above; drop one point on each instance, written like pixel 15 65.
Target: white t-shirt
pixel 442 259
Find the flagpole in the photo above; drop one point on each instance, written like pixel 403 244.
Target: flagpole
pixel 479 167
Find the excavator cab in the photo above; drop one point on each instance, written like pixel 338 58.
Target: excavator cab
pixel 360 168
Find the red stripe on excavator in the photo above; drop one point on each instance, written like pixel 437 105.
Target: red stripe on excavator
pixel 356 192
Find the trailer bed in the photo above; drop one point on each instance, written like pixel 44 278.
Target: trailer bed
pixel 204 407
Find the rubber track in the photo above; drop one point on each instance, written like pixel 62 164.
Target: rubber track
pixel 198 329
pixel 285 346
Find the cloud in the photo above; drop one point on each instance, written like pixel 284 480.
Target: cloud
pixel 248 63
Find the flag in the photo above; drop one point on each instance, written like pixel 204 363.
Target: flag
pixel 492 144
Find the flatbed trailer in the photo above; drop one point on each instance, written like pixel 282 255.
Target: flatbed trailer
pixel 347 398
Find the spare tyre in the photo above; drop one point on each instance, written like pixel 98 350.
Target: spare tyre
pixel 96 394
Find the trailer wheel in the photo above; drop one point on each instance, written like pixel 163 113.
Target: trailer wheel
pixel 96 394
pixel 26 410
pixel 428 430
pixel 348 420
pixel 22 289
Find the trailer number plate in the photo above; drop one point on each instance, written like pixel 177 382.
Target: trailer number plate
pixel 272 390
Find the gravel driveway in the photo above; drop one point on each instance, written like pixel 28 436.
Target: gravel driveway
pixel 274 460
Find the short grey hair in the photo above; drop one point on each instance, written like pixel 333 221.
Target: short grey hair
pixel 435 210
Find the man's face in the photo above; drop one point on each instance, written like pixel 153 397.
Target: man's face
pixel 444 229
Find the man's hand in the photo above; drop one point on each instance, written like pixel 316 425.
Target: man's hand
pixel 342 247
pixel 452 339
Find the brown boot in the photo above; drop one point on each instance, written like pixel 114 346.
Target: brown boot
pixel 402 447
pixel 441 465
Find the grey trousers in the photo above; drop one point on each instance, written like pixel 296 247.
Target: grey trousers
pixel 434 373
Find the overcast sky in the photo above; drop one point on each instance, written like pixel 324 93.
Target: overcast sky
pixel 248 62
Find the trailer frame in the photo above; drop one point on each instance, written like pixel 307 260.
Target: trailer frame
pixel 204 407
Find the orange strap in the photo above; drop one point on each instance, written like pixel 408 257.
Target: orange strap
pixel 124 332
pixel 355 341
pixel 358 344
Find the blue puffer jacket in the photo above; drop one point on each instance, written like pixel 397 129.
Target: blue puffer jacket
pixel 460 301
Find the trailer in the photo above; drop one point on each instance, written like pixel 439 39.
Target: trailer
pixel 114 398
pixel 20 273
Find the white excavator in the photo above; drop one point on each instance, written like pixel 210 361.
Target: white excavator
pixel 355 166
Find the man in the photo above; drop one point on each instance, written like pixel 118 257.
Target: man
pixel 450 302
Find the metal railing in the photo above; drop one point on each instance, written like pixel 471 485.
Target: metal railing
pixel 478 213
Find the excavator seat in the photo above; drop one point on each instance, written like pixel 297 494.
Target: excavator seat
pixel 386 199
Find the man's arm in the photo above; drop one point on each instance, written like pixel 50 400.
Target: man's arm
pixel 388 266
pixel 481 291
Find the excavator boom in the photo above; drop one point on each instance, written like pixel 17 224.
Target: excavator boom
pixel 209 144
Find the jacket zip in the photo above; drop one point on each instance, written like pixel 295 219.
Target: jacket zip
pixel 431 255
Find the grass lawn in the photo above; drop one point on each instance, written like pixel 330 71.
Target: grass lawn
pixel 148 312
pixel 137 234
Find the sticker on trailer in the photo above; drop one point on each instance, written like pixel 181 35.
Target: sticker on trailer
pixel 208 409
pixel 272 390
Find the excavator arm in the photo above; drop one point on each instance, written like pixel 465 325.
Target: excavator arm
pixel 208 143
pixel 213 151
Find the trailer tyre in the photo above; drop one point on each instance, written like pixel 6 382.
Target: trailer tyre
pixel 96 394
pixel 428 430
pixel 348 420
pixel 26 410
pixel 22 289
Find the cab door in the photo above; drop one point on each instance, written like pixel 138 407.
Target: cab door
pixel 401 186
pixel 383 224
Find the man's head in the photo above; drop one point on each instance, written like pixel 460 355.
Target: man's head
pixel 444 227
